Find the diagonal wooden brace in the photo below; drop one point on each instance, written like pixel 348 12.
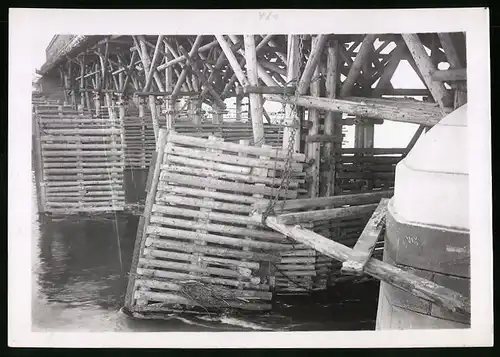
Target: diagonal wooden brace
pixel 363 249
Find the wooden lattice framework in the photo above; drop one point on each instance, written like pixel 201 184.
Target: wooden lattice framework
pixel 325 82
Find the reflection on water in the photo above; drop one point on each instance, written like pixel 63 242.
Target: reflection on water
pixel 80 277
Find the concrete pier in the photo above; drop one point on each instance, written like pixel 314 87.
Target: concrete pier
pixel 427 228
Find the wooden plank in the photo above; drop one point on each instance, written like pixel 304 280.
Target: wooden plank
pixel 319 215
pixel 217 195
pixel 394 276
pixel 212 250
pixel 366 108
pixel 213 238
pixel 236 169
pixel 225 228
pixel 222 185
pixel 205 279
pixel 222 145
pixel 227 175
pixel 363 249
pixel 230 159
pixel 170 286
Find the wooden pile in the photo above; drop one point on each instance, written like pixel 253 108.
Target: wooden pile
pixel 79 161
pixel 197 246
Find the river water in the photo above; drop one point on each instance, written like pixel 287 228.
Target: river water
pixel 80 268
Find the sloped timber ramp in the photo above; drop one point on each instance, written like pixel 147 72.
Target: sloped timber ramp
pixel 197 248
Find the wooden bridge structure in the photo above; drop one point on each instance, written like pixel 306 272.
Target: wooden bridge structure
pixel 154 93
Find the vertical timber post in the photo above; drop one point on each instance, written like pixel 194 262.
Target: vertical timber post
pixel 154 116
pixel 169 87
pixel 333 125
pixel 216 114
pixel 293 69
pixel 313 153
pixel 238 107
pixel 255 98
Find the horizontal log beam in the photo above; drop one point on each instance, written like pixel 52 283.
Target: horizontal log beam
pixel 450 75
pixel 325 214
pixel 323 138
pixel 180 59
pixel 424 116
pixel 330 201
pixel 265 90
pixel 180 94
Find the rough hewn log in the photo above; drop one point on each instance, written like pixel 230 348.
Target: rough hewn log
pixel 354 71
pixel 424 116
pixel 255 98
pixel 312 63
pixel 426 68
pixel 180 59
pixel 324 214
pixel 152 69
pixel 202 78
pixel 293 69
pixel 238 71
pixel 450 75
pixel 182 77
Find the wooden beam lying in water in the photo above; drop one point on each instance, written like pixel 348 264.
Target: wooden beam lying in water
pixel 363 249
pixel 420 287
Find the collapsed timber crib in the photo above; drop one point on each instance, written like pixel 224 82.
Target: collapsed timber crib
pixel 79 161
pixel 197 245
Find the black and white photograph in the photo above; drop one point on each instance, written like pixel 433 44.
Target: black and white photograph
pixel 221 175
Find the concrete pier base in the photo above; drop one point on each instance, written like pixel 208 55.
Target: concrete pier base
pixel 427 227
